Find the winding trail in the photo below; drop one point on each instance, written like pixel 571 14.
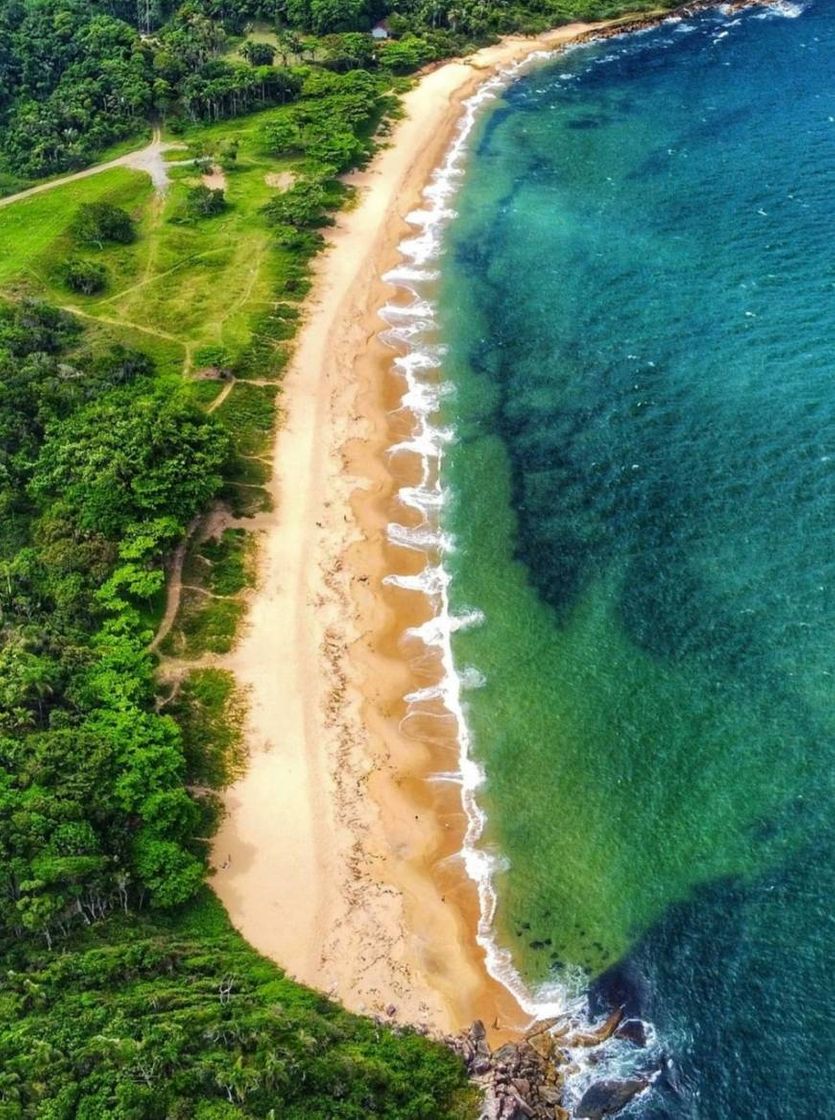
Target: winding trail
pixel 222 395
pixel 149 159
pixel 174 588
pixel 123 323
pixel 152 279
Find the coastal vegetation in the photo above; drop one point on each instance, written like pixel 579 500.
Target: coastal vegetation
pixel 149 1016
pixel 143 334
pixel 76 76
pixel 125 993
pixel 129 407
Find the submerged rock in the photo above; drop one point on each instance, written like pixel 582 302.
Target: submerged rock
pixel 600 1034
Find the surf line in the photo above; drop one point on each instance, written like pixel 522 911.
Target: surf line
pixel 412 330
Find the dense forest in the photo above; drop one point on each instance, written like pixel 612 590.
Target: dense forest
pixel 142 1019
pixel 102 468
pixel 124 992
pixel 79 75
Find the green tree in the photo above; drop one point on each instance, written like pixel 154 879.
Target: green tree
pixel 205 202
pixel 282 136
pixel 85 277
pixel 128 458
pixel 228 154
pixel 258 54
pixel 338 15
pixel 406 54
pixel 289 44
pixel 350 51
pixel 303 206
pixel 98 222
pixel 170 873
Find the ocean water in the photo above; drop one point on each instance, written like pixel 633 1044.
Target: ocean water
pixel 636 438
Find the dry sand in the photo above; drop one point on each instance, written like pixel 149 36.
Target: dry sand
pixel 215 179
pixel 339 856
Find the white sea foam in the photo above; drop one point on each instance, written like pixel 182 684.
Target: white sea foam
pixel 782 9
pixel 431 581
pixel 423 538
pixel 437 633
pixel 420 309
pixel 453 777
pixel 412 328
pixel 471 678
pixel 429 446
pixel 421 399
pixel 421 498
pixel 429 357
pixel 424 695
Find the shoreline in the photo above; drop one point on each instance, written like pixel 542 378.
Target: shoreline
pixel 345 860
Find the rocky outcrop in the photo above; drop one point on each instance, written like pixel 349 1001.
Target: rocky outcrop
pixel 525 1080
pixel 606 1097
pixel 629 23
pixel 632 1030
pixel 519 1080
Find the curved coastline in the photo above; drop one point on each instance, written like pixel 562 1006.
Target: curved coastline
pixel 342 861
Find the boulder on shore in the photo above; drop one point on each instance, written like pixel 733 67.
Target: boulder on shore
pixel 525 1080
pixel 605 1097
pixel 634 1031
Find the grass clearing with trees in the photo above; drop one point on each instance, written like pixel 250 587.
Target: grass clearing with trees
pixel 188 284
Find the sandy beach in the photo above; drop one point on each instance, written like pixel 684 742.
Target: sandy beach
pixel 337 858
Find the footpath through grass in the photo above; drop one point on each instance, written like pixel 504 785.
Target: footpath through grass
pixel 211 300
pixel 183 286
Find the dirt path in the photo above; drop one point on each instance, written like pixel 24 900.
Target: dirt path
pixel 124 323
pixel 174 589
pixel 149 159
pixel 152 279
pixel 222 395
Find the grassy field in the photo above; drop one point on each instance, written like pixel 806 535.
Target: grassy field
pixel 260 32
pixel 34 231
pixel 181 286
pixel 10 183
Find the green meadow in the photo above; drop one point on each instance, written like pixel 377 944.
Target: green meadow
pixel 181 285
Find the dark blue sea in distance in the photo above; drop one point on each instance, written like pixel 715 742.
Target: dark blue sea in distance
pixel 638 296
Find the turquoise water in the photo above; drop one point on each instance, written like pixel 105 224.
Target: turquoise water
pixel 638 297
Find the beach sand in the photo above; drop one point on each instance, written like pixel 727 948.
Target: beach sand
pixel 337 859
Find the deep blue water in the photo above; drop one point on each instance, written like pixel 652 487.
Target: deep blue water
pixel 638 295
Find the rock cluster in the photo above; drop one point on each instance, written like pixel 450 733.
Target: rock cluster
pixel 519 1082
pixel 524 1080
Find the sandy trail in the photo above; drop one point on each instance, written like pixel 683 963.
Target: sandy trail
pixel 335 859
pixel 173 589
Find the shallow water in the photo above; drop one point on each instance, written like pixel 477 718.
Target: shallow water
pixel 638 300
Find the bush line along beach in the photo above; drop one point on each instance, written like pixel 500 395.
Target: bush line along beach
pixel 202 680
